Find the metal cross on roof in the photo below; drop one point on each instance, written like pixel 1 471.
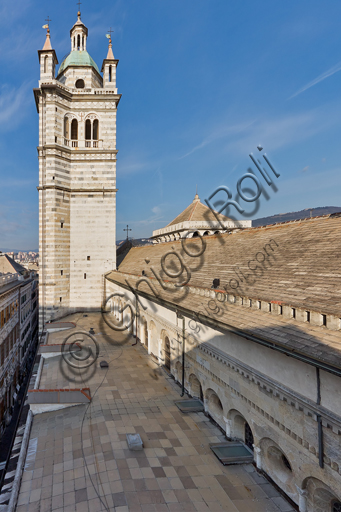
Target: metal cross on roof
pixel 110 32
pixel 79 4
pixel 48 20
pixel 127 229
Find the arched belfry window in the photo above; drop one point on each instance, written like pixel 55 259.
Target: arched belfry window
pixel 95 130
pixel 110 73
pixel 74 133
pixel 78 42
pixel 88 132
pixel 74 42
pixel 45 63
pixel 82 42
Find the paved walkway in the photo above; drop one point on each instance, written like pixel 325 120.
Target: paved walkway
pixel 79 461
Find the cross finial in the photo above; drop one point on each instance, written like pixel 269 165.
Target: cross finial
pixel 48 20
pixel 127 229
pixel 110 31
pixel 79 8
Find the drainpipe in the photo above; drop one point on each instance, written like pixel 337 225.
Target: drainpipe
pixel 183 352
pixel 320 440
pixel 319 420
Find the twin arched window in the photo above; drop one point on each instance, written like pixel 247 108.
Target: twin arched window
pixel 91 132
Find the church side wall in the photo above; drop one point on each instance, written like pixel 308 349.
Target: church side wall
pixel 273 393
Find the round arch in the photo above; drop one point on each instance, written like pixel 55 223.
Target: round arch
pixel 320 497
pixel 195 387
pixel 278 466
pixel 166 350
pixel 144 331
pixel 214 407
pixel 240 428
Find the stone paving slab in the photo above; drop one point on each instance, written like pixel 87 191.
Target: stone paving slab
pixel 79 459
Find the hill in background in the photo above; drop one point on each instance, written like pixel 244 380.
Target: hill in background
pixel 302 214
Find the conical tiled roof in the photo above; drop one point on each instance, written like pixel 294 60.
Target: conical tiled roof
pixel 197 211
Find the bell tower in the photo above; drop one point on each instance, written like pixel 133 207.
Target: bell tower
pixel 77 177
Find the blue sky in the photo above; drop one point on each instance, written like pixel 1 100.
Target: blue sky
pixel 202 83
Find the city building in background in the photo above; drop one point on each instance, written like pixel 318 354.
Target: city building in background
pixel 18 330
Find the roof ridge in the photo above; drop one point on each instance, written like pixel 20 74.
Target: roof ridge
pixel 194 209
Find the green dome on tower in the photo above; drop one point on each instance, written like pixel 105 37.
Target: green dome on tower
pixel 77 58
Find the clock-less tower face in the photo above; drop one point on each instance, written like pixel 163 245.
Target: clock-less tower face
pixel 77 176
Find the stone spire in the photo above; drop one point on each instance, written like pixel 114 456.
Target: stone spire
pixel 110 55
pixel 47 45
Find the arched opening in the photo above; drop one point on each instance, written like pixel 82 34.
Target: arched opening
pixel 110 73
pixel 195 234
pixel 153 341
pixel 216 232
pixel 74 129
pixel 88 129
pixel 45 63
pixel 78 42
pixel 195 387
pixel 82 42
pixel 95 130
pixel 80 84
pixel 166 353
pixel 214 406
pixel 277 465
pixel 320 497
pixel 66 128
pixel 248 436
pixel 206 233
pixel 144 332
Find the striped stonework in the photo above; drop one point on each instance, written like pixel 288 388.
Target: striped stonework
pixel 77 180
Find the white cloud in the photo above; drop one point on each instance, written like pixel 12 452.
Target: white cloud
pixel 220 132
pixel 13 106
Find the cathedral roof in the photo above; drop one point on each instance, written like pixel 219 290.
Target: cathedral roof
pixel 77 58
pixel 303 268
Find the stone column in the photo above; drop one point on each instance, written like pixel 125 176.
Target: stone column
pixel 302 499
pixel 258 456
pixel 228 424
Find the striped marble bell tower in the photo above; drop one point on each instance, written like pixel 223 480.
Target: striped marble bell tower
pixel 77 176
